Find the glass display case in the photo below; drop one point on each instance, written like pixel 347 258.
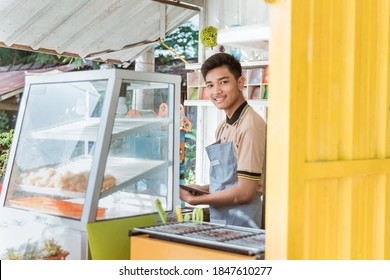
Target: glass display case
pixel 95 145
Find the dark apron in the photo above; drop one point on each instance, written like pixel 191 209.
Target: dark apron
pixel 223 175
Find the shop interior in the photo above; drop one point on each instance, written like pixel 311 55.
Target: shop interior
pixel 109 157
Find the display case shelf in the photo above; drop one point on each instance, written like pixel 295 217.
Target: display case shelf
pixel 48 191
pixel 127 171
pixel 86 130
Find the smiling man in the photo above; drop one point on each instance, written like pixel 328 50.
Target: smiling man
pixel 237 156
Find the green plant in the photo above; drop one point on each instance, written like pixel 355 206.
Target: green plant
pixel 208 36
pixel 5 144
pixel 13 56
pixel 37 250
pixel 184 41
pixel 4 121
pixel 190 156
pixel 79 63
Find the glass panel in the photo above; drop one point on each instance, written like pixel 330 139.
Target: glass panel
pixel 54 153
pixel 139 160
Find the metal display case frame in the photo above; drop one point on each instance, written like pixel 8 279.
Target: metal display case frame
pixel 107 128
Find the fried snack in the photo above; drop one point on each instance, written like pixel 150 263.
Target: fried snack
pixel 65 180
pixel 109 181
pixel 74 182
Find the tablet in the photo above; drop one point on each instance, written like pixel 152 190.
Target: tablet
pixel 193 190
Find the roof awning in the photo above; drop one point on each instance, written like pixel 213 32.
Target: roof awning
pixel 114 31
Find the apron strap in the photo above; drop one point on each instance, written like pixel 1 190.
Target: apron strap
pixel 264 185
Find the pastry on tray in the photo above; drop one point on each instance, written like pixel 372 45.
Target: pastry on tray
pixel 63 180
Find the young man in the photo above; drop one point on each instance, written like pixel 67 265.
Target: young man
pixel 237 156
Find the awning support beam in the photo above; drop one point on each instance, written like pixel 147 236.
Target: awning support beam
pixel 178 4
pixel 163 21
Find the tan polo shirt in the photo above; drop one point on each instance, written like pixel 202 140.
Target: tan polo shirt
pixel 248 135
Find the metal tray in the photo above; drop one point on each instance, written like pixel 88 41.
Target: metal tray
pixel 183 228
pixel 250 241
pixel 220 234
pixel 209 235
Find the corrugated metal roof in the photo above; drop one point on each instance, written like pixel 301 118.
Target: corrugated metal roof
pixel 108 30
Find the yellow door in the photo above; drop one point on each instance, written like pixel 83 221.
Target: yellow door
pixel 328 162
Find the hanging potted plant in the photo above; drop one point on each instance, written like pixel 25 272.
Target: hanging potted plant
pixel 208 37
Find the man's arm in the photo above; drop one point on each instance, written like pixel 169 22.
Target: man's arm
pixel 243 192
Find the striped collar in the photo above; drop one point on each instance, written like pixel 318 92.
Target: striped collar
pixel 236 114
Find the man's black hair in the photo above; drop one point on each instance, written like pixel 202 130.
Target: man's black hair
pixel 222 59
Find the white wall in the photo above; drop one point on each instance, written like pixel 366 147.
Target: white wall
pixel 224 13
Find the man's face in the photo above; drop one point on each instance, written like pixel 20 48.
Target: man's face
pixel 224 90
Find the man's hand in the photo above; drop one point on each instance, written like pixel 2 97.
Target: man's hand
pixel 188 196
